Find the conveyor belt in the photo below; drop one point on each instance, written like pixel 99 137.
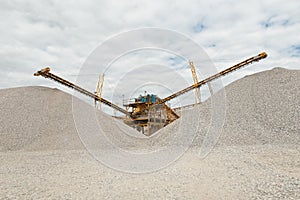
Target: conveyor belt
pixel 222 73
pixel 46 73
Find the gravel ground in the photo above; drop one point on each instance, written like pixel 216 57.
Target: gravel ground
pixel 257 155
pixel 248 172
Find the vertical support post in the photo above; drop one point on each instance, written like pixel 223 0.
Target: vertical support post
pixel 99 90
pixel 195 78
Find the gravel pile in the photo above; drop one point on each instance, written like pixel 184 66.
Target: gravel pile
pixel 256 157
pixel 263 108
pixel 267 108
pixel 36 118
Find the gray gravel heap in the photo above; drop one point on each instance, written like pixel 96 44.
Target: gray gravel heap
pixel 263 108
pixel 257 156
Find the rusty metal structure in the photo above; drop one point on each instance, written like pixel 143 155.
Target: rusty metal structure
pixel 149 113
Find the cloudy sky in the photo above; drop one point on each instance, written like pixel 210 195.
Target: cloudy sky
pixel 62 34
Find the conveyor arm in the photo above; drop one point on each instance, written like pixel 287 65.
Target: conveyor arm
pixel 222 73
pixel 46 74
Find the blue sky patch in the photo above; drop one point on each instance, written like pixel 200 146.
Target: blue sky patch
pixel 295 50
pixel 275 20
pixel 199 27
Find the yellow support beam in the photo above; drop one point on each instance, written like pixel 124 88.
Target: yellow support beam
pixel 99 91
pixel 195 78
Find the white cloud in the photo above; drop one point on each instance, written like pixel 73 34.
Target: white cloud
pixel 62 34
